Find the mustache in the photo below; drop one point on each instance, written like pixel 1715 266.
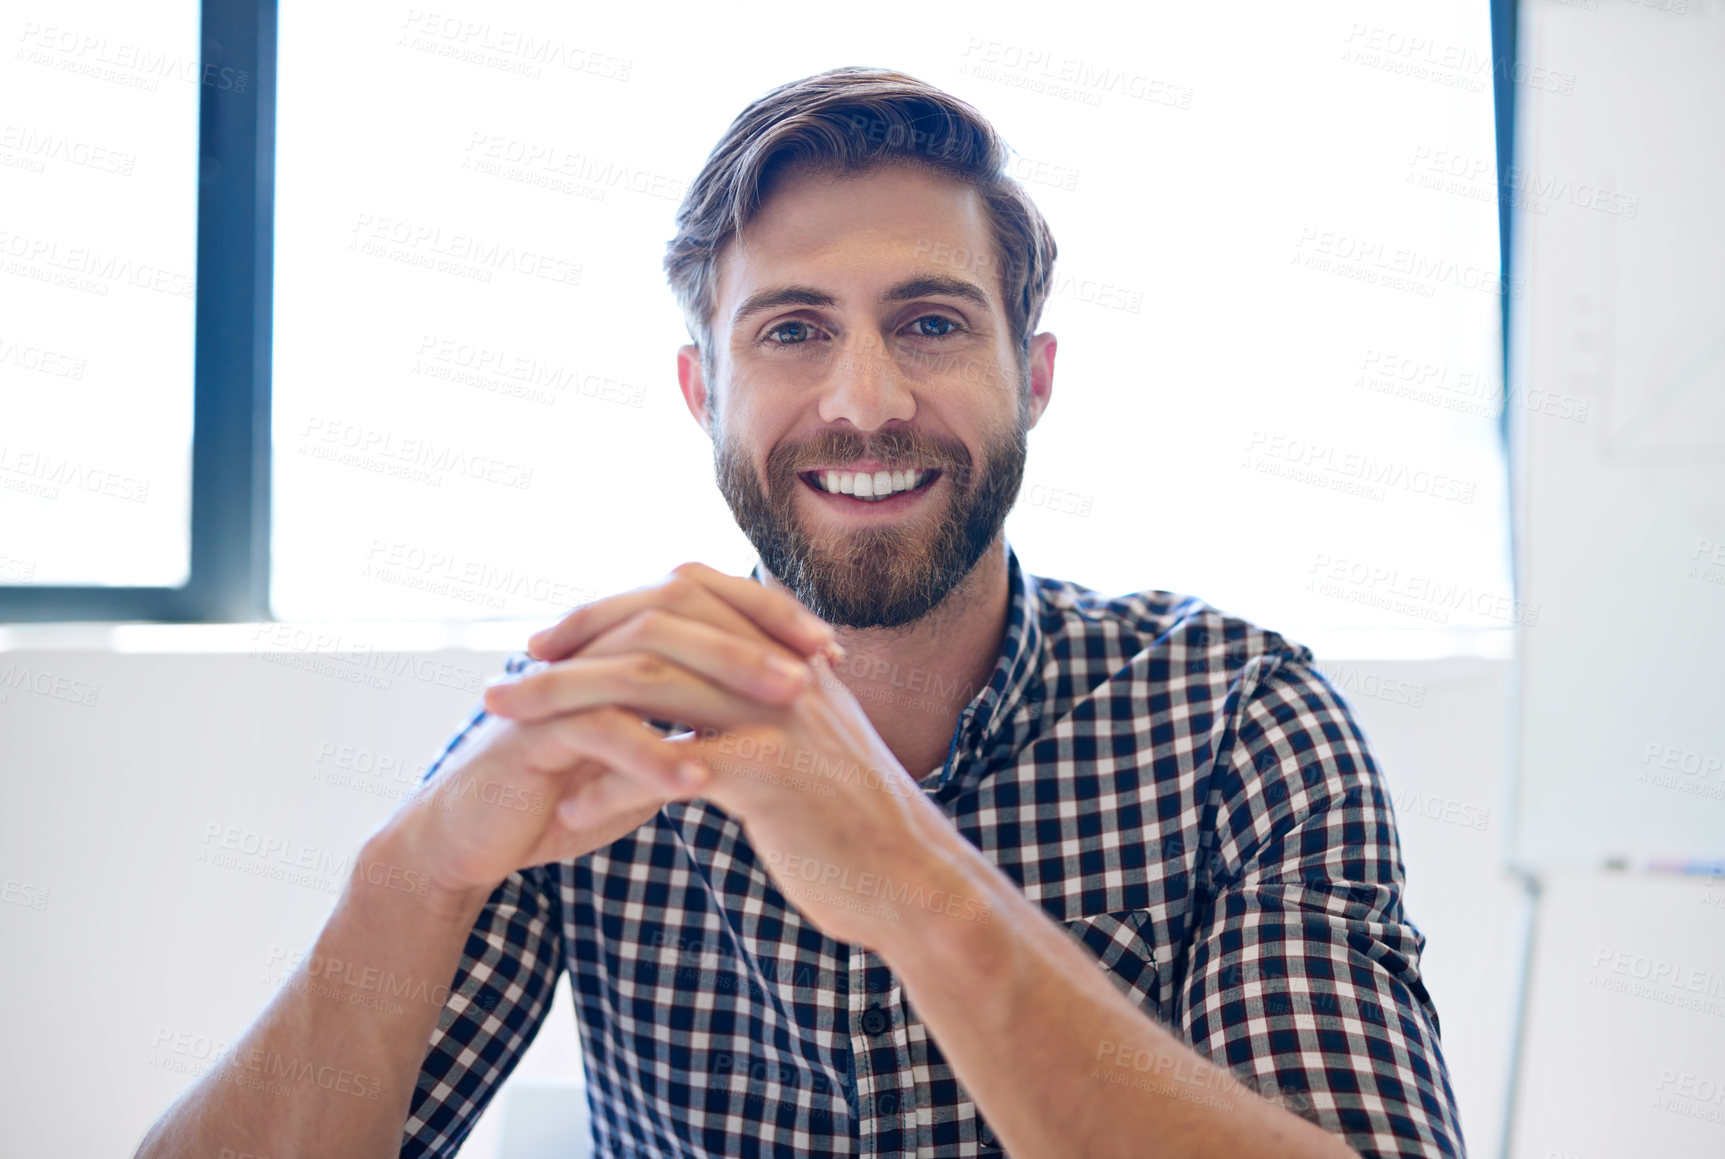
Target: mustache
pixel 894 448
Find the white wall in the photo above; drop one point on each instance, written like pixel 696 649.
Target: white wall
pixel 1625 1047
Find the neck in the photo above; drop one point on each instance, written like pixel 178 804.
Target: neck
pixel 913 681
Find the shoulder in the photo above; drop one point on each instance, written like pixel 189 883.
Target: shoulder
pixel 1241 705
pixel 1176 639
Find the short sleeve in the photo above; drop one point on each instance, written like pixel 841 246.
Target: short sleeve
pixel 1303 973
pixel 497 1000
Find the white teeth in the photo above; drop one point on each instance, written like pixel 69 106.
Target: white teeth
pixel 872 485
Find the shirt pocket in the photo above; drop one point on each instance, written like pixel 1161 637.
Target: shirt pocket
pixel 1121 942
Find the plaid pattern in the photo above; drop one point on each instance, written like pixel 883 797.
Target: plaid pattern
pixel 1183 790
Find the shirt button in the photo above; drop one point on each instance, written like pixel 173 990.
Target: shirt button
pixel 875 1021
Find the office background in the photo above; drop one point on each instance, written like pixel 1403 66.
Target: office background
pixel 345 333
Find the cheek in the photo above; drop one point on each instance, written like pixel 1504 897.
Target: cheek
pixel 747 449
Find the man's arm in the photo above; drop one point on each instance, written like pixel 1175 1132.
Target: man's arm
pixel 419 995
pixel 321 1074
pixel 316 1075
pixel 338 1061
pixel 1301 972
pixel 1047 1045
pixel 1300 921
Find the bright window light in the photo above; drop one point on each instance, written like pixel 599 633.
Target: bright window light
pixel 98 256
pixel 1277 299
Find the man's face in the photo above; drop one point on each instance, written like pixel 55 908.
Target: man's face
pixel 860 336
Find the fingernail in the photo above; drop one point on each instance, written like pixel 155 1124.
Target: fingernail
pixel 691 776
pixel 784 670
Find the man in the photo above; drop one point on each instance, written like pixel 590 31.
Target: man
pixel 965 861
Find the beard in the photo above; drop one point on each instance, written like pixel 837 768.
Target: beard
pixel 876 577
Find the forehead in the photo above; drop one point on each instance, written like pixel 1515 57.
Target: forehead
pixel 851 234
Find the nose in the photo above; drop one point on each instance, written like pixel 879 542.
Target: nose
pixel 865 387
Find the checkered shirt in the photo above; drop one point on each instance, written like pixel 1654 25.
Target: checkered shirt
pixel 1181 790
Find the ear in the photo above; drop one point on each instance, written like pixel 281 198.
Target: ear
pixel 1041 373
pixel 693 383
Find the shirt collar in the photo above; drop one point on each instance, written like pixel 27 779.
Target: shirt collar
pixel 992 718
pixel 1017 671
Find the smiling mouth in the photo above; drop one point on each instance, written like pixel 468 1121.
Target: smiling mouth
pixel 871 486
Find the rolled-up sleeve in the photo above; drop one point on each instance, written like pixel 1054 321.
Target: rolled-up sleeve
pixel 497 1000
pixel 1303 973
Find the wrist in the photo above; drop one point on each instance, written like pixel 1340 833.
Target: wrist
pixel 391 867
pixel 954 902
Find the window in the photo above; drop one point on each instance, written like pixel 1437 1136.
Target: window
pixel 98 184
pixel 1278 301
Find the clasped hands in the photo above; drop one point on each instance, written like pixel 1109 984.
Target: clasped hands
pixel 778 742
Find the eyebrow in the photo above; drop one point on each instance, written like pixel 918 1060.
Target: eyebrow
pixel 923 286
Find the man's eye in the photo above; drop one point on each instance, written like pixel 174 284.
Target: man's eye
pixel 942 326
pixel 790 333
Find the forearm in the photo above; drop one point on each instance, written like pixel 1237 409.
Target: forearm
pixel 1059 1061
pixel 329 1068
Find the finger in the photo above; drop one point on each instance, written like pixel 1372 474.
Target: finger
pixel 777 612
pixel 616 740
pixel 589 621
pixel 754 667
pixel 646 683
pixel 592 801
pixel 691 589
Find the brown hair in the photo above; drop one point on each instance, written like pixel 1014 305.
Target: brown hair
pixel 851 119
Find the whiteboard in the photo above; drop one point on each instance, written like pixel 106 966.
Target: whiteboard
pixel 1617 427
